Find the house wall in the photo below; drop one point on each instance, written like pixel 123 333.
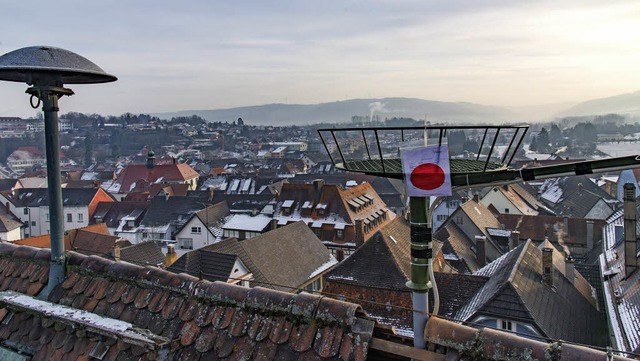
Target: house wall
pixel 443 211
pixel 499 201
pixel 12 235
pixel 198 240
pixel 381 297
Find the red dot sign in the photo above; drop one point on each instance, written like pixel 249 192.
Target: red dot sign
pixel 427 176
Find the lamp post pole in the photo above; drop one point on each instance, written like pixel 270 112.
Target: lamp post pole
pixel 49 96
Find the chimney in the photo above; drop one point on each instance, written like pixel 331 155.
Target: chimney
pixel 317 187
pixel 151 159
pixel 116 251
pixel 359 228
pixel 476 197
pixel 481 253
pixel 630 251
pixel 569 269
pixel 589 235
pixel 565 228
pixel 171 255
pixel 547 266
pixel 514 239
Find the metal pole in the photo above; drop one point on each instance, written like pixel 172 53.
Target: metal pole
pixel 49 97
pixel 420 254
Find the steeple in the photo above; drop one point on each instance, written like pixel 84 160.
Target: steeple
pixel 151 157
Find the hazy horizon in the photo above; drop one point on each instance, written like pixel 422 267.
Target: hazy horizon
pixel 173 56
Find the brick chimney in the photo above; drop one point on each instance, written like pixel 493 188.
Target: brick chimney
pixel 630 236
pixel 514 239
pixel 116 251
pixel 317 188
pixel 570 269
pixel 359 228
pixel 547 266
pixel 481 253
pixel 589 235
pixel 476 197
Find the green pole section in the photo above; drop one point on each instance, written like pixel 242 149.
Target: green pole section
pixel 420 254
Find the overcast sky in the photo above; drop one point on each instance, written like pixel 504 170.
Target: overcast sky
pixel 179 55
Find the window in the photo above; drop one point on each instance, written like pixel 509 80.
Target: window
pixel 318 232
pixel 506 325
pixel 26 211
pixel 185 243
pixel 459 220
pixel 47 217
pixel 80 217
pixel 441 217
pixel 196 230
pixel 33 223
pixel 339 233
pixel 69 217
pixel 506 210
pixel 231 233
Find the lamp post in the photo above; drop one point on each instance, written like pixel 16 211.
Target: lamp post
pixel 46 69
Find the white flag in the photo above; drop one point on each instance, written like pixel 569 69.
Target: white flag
pixel 426 171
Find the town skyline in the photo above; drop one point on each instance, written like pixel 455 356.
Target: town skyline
pixel 172 57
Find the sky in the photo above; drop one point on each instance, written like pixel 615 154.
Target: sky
pixel 185 55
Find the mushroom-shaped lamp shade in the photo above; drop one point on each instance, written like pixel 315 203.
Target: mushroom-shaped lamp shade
pixel 46 65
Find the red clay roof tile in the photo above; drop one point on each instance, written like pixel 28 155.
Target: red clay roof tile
pixel 156 324
pixel 143 298
pixel 172 307
pixel 71 280
pixel 188 310
pixel 189 332
pixel 143 318
pixel 129 313
pixel 157 302
pixel 129 294
pixel 224 344
pixel 265 350
pixel 280 330
pixel 328 343
pixel 206 339
pixel 225 318
pixel 115 292
pixel 203 316
pixel 302 336
pixel 239 324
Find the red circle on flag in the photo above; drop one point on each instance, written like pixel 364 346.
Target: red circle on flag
pixel 427 176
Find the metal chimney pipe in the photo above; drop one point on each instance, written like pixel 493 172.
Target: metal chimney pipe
pixel 630 251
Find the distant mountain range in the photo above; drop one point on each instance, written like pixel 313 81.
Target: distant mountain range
pixel 624 104
pixel 436 111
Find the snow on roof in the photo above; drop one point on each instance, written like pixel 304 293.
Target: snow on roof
pixel 498 232
pixel 321 206
pixel 87 319
pixel 351 183
pixel 307 204
pixel 325 266
pixel 247 222
pixel 288 203
pixel 339 226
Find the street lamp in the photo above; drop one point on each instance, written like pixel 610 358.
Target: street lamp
pixel 46 69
